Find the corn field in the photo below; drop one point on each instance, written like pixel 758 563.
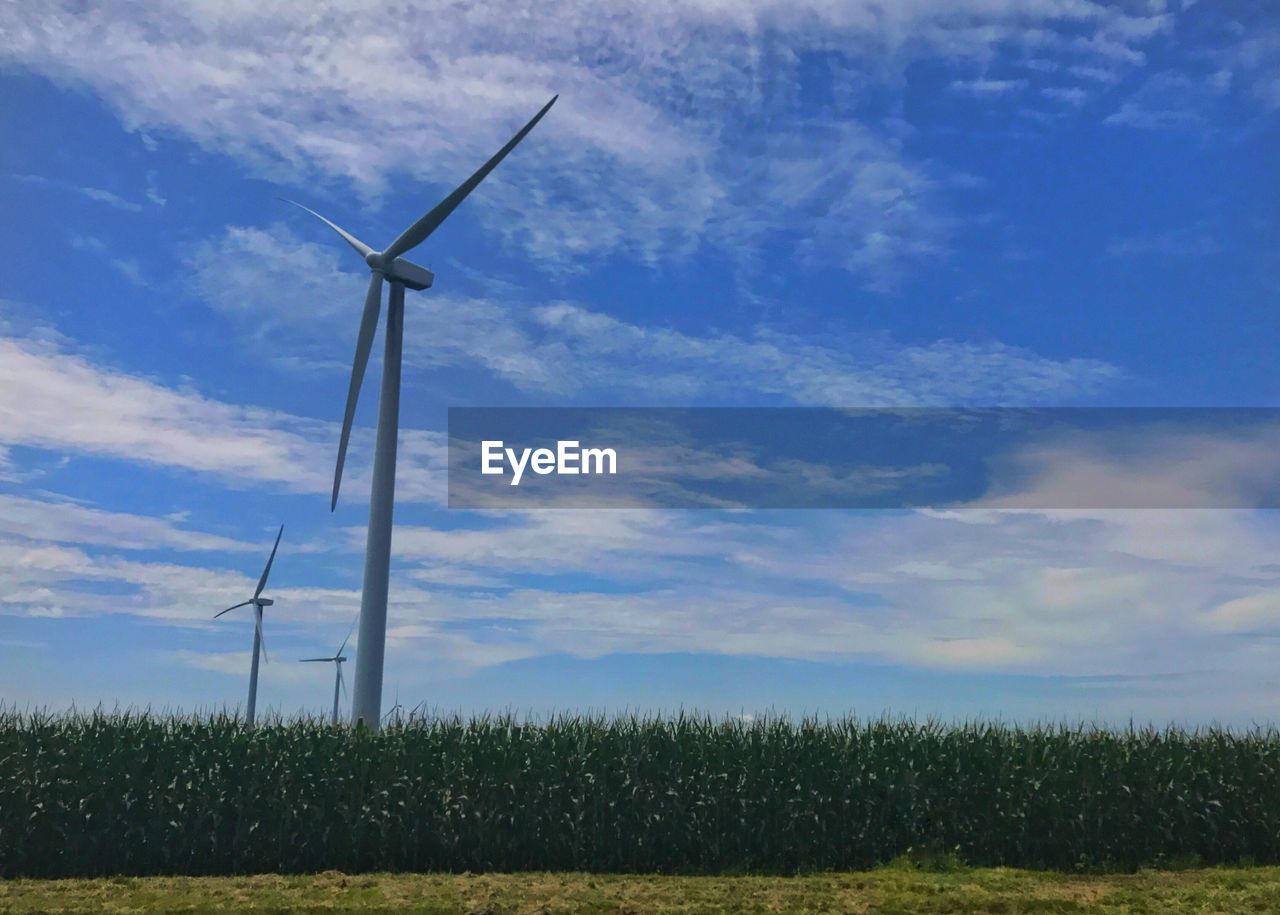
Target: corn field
pixel 98 794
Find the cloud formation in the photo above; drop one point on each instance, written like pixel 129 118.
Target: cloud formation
pixel 56 399
pixel 563 350
pixel 660 104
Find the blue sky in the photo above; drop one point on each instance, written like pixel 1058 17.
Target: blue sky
pixel 971 202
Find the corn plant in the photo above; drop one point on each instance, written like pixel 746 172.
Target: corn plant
pixel 124 793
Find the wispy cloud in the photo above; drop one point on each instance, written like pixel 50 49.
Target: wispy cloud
pixel 987 87
pixel 128 267
pixel 50 578
pixel 1072 593
pixel 301 297
pixel 1176 242
pixel 1172 100
pixel 1068 593
pixel 659 105
pixel 52 397
pixel 868 371
pixel 1253 613
pixel 1078 593
pixel 59 521
pixel 1068 95
pixel 153 190
pixel 1256 57
pixel 294 302
pixel 59 400
pixel 96 194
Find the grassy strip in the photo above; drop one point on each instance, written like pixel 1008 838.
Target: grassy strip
pixel 897 890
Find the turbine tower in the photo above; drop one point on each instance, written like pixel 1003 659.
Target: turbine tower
pixel 389 265
pixel 258 602
pixel 338 660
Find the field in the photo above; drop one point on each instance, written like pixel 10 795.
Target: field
pixel 897 890
pixel 103 795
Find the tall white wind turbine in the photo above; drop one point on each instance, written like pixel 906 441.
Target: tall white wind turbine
pixel 259 646
pixel 338 660
pixel 389 265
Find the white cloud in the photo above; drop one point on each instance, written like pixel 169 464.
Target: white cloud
pixel 47 578
pixel 1068 95
pixel 983 653
pixel 1172 100
pixel 1073 594
pixel 1099 74
pixel 660 103
pixel 1257 56
pixel 271 676
pixel 862 372
pixel 988 87
pixel 61 401
pixel 291 297
pixel 1153 464
pixel 1176 242
pixel 1246 614
pixel 301 301
pixel 1064 593
pixel 861 203
pixel 96 194
pixel 153 190
pixel 59 521
pixel 56 399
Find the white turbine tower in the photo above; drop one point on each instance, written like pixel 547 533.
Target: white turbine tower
pixel 258 602
pixel 366 704
pixel 338 660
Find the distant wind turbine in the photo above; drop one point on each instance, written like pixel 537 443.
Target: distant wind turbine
pixel 338 660
pixel 259 645
pixel 396 709
pixel 366 704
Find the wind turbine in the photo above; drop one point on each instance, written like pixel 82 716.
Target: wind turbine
pixel 338 661
pixel 258 602
pixel 396 709
pixel 389 265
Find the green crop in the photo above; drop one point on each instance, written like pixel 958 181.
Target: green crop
pixel 96 794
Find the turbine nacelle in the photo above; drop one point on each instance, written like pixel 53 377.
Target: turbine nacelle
pixel 263 601
pixel 394 268
pixel 403 271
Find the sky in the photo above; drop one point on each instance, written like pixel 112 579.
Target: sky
pixel 733 203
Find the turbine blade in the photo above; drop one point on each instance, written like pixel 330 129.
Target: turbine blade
pixel 417 233
pixel 262 640
pixel 236 607
pixel 342 684
pixel 350 632
pixel 305 660
pixel 361 248
pixel 262 582
pixel 364 343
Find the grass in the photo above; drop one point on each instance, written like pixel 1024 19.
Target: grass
pixel 894 889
